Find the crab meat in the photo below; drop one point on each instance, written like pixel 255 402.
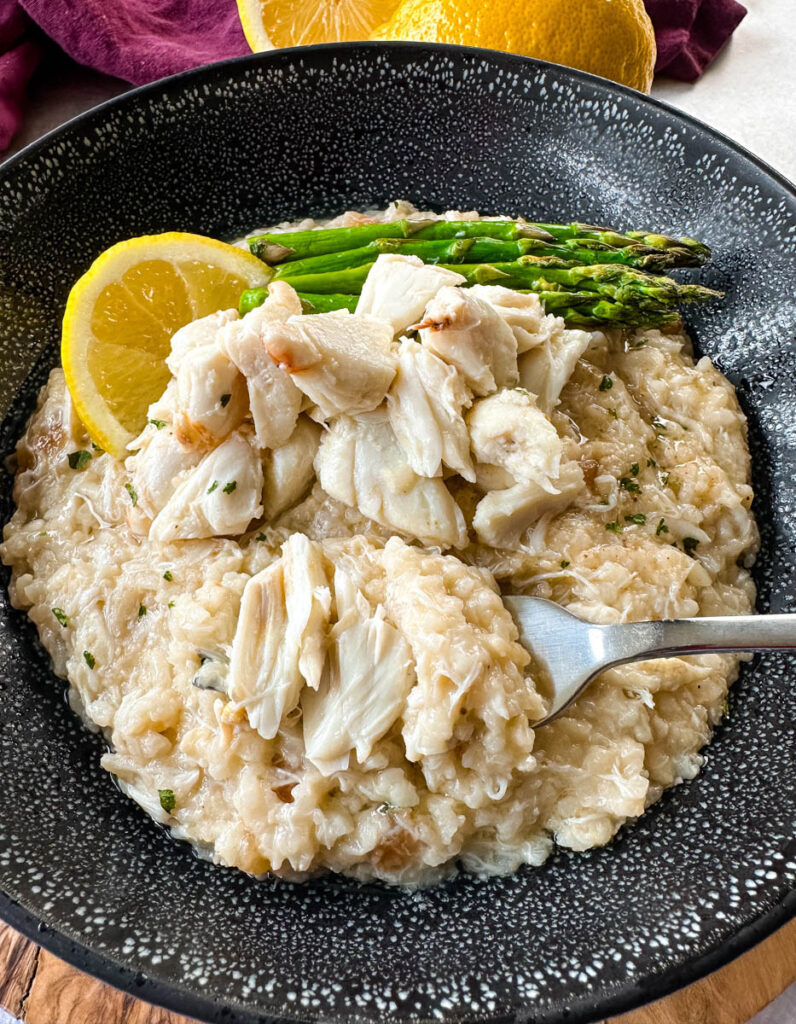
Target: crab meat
pixel 288 470
pixel 502 517
pixel 467 333
pixel 520 466
pixel 523 313
pixel 280 639
pixel 220 496
pixel 274 399
pixel 158 466
pixel 546 369
pixel 197 334
pixel 370 673
pixel 508 430
pixel 398 288
pixel 425 410
pixel 342 363
pixel 210 397
pixel 281 304
pixel 360 463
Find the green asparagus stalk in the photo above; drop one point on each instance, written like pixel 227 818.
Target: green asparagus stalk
pixel 348 281
pixel 603 313
pixel 314 303
pixel 251 299
pixel 452 250
pixel 310 303
pixel 278 247
pixel 485 250
pixel 611 280
pixel 692 252
pixel 685 252
pixel 502 230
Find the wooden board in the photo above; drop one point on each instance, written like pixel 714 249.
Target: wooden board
pixel 38 988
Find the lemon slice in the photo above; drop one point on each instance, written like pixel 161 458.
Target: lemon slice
pixel 274 23
pixel 120 317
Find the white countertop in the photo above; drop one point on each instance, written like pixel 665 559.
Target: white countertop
pixel 749 92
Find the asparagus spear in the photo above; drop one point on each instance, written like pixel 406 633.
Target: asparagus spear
pixel 504 230
pixel 486 250
pixel 345 282
pixel 611 280
pixel 251 299
pixel 314 303
pixel 452 250
pixel 310 303
pixel 284 246
pixel 696 253
pixel 277 247
pixel 320 241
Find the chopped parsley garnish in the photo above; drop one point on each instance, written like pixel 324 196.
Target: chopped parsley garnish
pixel 79 459
pixel 171 604
pixel 690 545
pixel 158 424
pixel 664 479
pixel 97 448
pixel 89 659
pixel 613 414
pixel 661 527
pixel 638 519
pixel 614 527
pixel 563 563
pixel 260 536
pixel 651 462
pixel 606 384
pixel 225 401
pixel 630 485
pixel 60 614
pixel 634 469
pixel 230 487
pixel 141 611
pixel 212 487
pixel 131 491
pixel 167 800
pixel 167 576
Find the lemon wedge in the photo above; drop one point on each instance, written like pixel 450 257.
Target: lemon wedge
pixel 120 317
pixel 275 23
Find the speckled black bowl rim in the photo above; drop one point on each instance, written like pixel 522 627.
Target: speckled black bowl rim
pixel 179 999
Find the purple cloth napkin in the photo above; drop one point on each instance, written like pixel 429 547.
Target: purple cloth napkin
pixel 141 40
pixel 19 55
pixel 690 33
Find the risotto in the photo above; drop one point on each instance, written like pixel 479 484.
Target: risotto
pixel 283 609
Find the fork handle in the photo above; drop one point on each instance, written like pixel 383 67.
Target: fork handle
pixel 634 641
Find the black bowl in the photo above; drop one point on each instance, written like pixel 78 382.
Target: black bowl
pixel 706 872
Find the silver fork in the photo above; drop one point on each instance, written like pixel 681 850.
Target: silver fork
pixel 575 652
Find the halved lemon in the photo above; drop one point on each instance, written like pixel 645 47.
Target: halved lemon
pixel 120 317
pixel 275 23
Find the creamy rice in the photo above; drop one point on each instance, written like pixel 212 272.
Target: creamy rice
pixel 455 779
